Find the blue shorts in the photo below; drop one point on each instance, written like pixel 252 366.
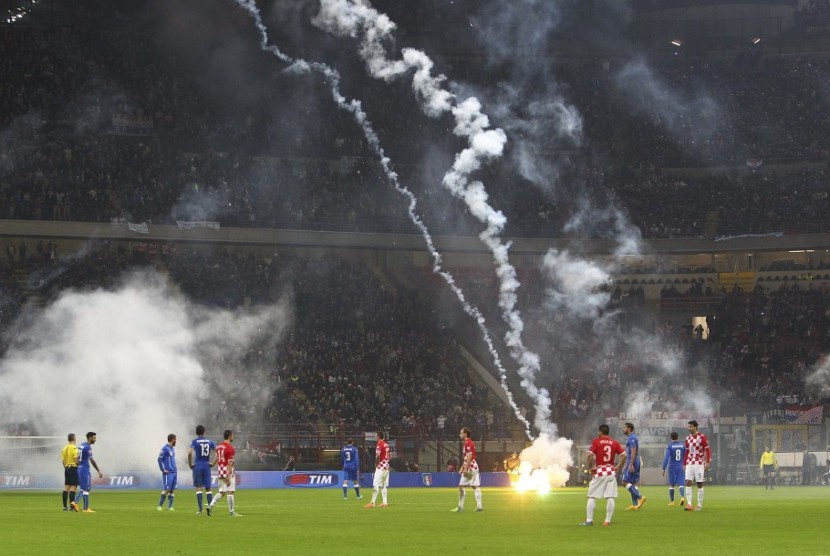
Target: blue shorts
pixel 676 475
pixel 84 478
pixel 629 477
pixel 350 474
pixel 169 481
pixel 201 476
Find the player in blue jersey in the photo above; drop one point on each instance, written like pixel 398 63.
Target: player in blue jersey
pixel 673 460
pixel 169 474
pixel 632 470
pixel 200 457
pixel 350 459
pixel 85 459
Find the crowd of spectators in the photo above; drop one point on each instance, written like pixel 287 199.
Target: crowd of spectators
pixel 813 17
pixel 12 298
pixel 363 354
pixel 359 355
pixel 108 129
pixel 768 341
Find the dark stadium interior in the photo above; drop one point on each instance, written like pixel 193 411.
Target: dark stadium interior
pixel 155 135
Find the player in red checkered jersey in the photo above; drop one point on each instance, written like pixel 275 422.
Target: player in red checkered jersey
pixel 601 455
pixel 698 458
pixel 225 453
pixel 469 472
pixel 381 478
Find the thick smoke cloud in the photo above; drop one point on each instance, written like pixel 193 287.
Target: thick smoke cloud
pixel 130 364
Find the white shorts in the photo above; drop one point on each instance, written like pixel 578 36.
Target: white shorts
pixel 381 478
pixel 472 479
pixel 603 487
pixel 694 472
pixel 227 487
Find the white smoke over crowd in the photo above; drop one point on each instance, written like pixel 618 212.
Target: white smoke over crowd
pixel 199 203
pixel 528 103
pixel 691 117
pixel 128 363
pixel 818 377
pixel 14 134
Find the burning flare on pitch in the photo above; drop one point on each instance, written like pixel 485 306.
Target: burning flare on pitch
pixel 544 465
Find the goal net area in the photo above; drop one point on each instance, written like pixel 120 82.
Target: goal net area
pixel 31 461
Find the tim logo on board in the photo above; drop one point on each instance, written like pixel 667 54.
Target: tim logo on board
pixel 310 480
pixel 117 481
pixel 16 481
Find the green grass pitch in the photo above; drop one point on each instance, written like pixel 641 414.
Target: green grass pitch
pixel 736 520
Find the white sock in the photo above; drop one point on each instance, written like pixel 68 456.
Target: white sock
pixel 374 494
pixel 383 494
pixel 462 494
pixel 230 502
pixel 700 497
pixel 610 504
pixel 589 510
pixel 216 499
pixel 477 494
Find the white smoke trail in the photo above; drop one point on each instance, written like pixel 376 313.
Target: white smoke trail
pixel 438 101
pixel 356 18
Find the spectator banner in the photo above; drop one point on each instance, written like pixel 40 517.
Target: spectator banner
pixel 191 225
pixel 790 415
pixel 138 228
pixel 737 236
pixel 754 163
pixel 121 222
pixel 657 429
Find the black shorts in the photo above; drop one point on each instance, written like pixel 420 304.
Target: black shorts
pixel 70 476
